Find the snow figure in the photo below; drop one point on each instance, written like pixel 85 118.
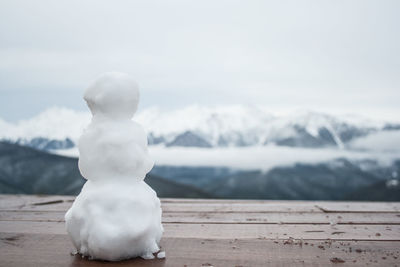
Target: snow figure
pixel 117 215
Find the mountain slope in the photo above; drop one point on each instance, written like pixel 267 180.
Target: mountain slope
pixel 200 126
pixel 336 180
pixel 25 170
pixel 380 191
pixel 340 179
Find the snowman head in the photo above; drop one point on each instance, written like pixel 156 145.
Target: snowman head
pixel 114 95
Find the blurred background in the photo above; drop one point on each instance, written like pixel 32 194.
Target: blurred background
pixel 240 99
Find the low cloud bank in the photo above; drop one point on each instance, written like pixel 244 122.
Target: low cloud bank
pixel 251 158
pixel 263 158
pixel 381 141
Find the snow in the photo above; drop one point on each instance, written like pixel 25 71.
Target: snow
pixel 54 123
pixel 237 125
pixel 114 221
pixel 117 215
pixel 161 255
pixel 211 123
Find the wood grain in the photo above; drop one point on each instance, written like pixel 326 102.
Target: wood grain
pixel 233 218
pixel 54 250
pixel 231 231
pixel 208 232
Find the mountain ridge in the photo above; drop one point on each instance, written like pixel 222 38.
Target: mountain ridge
pixel 198 126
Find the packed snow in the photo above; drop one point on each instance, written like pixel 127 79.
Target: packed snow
pixel 117 215
pixel 161 255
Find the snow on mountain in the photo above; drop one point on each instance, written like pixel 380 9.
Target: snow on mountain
pixel 54 124
pixel 218 126
pixel 199 126
pixel 249 126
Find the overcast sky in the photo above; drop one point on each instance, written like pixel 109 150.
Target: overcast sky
pixel 334 56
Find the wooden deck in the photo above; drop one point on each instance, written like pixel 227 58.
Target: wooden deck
pixel 218 233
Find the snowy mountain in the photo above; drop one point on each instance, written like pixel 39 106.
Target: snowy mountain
pixel 199 126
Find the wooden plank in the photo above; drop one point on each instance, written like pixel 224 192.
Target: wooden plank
pixel 239 207
pixel 232 218
pixel 12 198
pixel 218 232
pixel 275 231
pixel 30 199
pixel 231 231
pixel 35 203
pixel 372 207
pixel 39 216
pixel 218 201
pixel 54 250
pixel 284 206
pixel 16 201
pixel 62 203
pixel 282 218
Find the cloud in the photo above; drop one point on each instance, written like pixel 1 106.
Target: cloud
pixel 281 54
pixel 253 158
pixel 381 141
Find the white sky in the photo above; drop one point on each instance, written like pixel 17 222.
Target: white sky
pixel 334 56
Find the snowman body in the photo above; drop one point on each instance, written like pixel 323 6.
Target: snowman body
pixel 117 215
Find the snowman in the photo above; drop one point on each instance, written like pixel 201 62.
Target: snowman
pixel 117 215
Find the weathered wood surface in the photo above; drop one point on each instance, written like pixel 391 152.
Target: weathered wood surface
pixel 218 233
